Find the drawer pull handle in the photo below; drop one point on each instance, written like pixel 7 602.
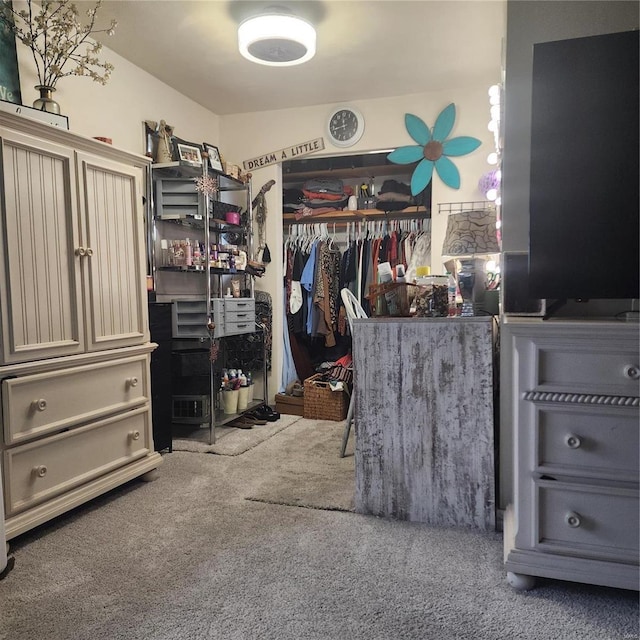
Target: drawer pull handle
pixel 573 442
pixel 632 372
pixel 573 519
pixel 132 382
pixel 40 404
pixel 40 470
pixel 135 435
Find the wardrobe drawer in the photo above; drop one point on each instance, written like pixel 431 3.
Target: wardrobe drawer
pixel 588 521
pixel 37 471
pixel 43 403
pixel 589 441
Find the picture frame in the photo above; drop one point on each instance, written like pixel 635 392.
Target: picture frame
pixel 9 71
pixel 215 159
pixel 187 151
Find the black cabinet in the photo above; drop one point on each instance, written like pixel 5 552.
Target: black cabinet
pixel 161 391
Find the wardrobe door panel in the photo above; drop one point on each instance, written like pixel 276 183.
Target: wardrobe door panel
pixel 40 295
pixel 112 217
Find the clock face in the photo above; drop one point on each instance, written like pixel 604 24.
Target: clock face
pixel 345 127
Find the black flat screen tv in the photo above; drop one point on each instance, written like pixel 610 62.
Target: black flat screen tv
pixel 584 198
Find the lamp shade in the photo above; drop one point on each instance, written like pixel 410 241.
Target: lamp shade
pixel 471 233
pixel 277 39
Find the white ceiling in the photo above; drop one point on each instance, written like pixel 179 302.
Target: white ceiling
pixel 365 49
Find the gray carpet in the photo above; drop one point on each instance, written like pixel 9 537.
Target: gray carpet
pixel 231 441
pixel 317 477
pixel 187 557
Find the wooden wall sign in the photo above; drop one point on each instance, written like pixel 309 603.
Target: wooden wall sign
pixel 297 150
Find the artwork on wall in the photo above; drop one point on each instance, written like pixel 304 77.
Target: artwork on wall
pixel 433 150
pixel 9 76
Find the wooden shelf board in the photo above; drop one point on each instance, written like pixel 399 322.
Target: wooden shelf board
pixel 364 214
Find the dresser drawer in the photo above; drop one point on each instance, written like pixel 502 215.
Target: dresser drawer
pixel 38 404
pixel 37 471
pixel 589 441
pixel 587 367
pixel 588 521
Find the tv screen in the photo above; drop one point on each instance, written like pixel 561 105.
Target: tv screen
pixel 584 199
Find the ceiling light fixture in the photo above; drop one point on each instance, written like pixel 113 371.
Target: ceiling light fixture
pixel 277 38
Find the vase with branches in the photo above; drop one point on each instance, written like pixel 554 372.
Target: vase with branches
pixel 60 43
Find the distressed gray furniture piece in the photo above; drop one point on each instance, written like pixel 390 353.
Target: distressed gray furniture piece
pixel 573 409
pixel 424 419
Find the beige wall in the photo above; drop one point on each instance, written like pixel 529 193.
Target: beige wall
pixel 251 135
pixel 118 110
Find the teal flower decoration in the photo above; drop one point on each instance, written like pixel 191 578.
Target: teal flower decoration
pixel 433 150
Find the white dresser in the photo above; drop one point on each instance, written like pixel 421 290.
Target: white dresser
pixel 573 416
pixel 74 337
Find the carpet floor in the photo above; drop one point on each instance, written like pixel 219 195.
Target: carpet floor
pixel 189 557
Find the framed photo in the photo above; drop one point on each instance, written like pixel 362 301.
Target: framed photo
pixel 187 151
pixel 9 75
pixel 215 160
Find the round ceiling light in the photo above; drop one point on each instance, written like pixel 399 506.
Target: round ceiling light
pixel 277 39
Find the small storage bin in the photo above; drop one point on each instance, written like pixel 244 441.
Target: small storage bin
pixel 289 404
pixel 321 403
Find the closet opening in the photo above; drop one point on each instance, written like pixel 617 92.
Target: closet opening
pixel 342 217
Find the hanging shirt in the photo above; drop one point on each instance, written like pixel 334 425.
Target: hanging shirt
pixel 307 281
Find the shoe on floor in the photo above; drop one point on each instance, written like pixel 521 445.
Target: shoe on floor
pixel 265 412
pixel 240 423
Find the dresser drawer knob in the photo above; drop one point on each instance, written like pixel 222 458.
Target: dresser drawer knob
pixel 132 382
pixel 40 404
pixel 573 442
pixel 135 435
pixel 40 470
pixel 572 519
pixel 632 372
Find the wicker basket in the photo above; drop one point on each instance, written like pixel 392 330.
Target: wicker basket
pixel 320 403
pixel 391 298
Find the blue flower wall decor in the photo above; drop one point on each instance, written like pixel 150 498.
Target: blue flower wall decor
pixel 433 150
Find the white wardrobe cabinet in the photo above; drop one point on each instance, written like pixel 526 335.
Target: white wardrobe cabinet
pixel 74 337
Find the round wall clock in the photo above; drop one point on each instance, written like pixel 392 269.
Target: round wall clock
pixel 345 126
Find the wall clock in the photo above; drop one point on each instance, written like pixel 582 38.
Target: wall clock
pixel 345 126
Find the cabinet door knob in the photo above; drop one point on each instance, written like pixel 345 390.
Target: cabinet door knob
pixel 135 435
pixel 40 404
pixel 81 251
pixel 89 251
pixel 572 519
pixel 573 442
pixel 132 382
pixel 40 470
pixel 632 372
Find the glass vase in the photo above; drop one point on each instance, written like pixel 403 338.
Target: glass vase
pixel 45 102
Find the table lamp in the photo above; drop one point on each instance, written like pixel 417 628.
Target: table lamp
pixel 469 239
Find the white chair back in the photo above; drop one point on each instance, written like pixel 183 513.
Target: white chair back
pixel 352 307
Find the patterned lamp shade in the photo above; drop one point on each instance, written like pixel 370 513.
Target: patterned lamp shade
pixel 471 233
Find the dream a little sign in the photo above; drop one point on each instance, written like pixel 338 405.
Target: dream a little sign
pixel 297 150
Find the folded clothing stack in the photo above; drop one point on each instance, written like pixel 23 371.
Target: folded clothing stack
pixel 323 195
pixel 394 196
